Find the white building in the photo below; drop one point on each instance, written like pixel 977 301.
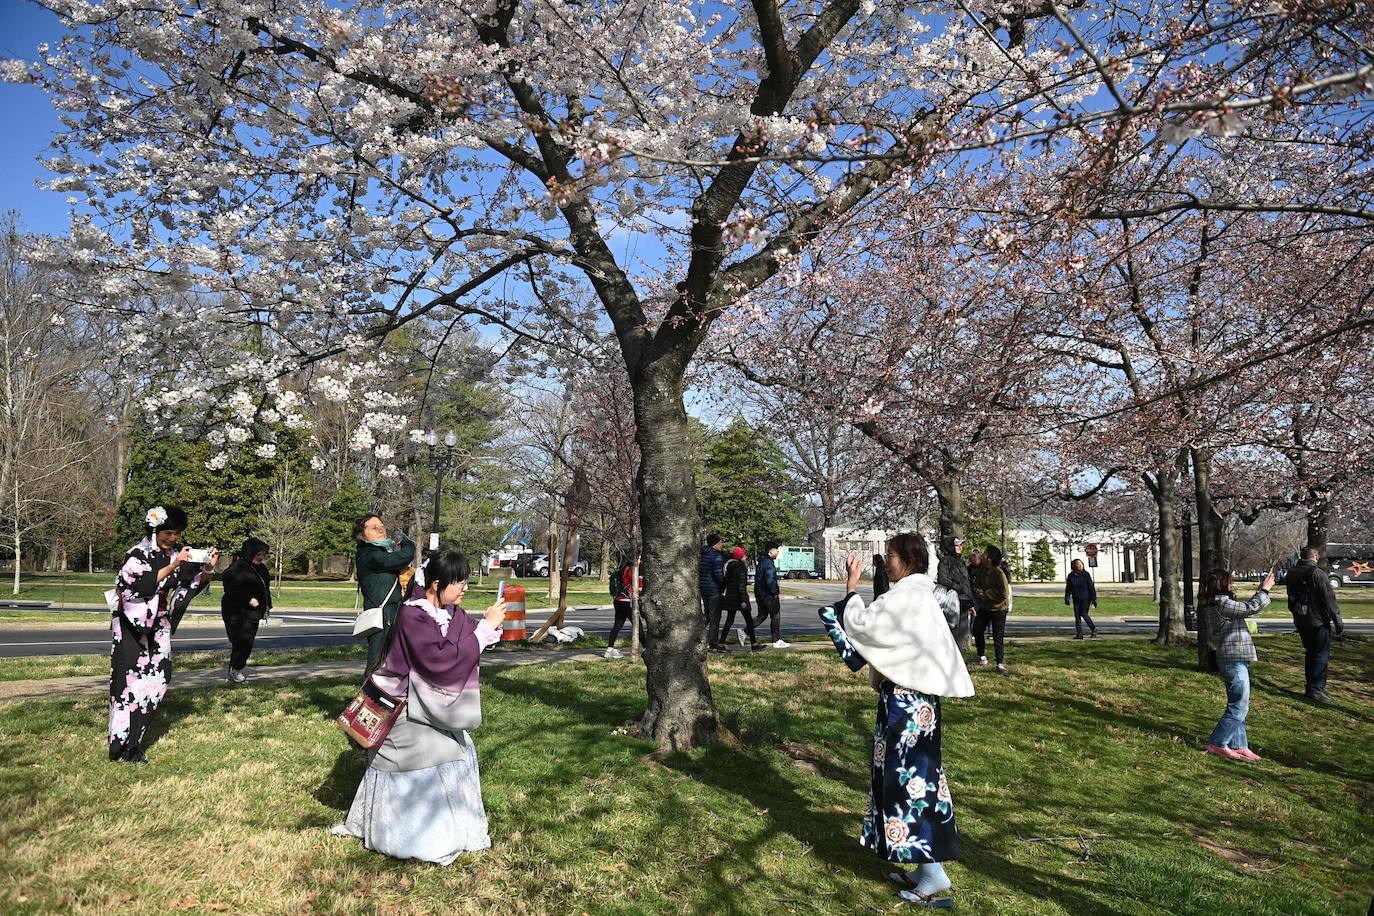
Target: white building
pixel 1118 555
pixel 1110 554
pixel 837 542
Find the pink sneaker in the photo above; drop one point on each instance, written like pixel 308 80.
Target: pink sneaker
pixel 1224 752
pixel 1247 753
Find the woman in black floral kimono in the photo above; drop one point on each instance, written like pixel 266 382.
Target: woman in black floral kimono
pixel 904 639
pixel 152 584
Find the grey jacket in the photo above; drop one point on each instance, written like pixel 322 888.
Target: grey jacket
pixel 1230 637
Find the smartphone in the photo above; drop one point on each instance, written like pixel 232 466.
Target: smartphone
pixel 199 555
pixel 501 591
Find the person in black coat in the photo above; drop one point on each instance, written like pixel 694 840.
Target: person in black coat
pixel 951 572
pixel 736 599
pixel 710 585
pixel 1316 612
pixel 247 599
pixel 880 582
pixel 1080 590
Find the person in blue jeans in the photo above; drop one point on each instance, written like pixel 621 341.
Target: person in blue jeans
pixel 1230 637
pixel 711 586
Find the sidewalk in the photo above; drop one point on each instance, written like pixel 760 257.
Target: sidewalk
pixel 99 685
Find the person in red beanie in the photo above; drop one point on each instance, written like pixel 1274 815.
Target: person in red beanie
pixel 736 597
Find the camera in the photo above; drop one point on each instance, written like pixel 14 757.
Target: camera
pixel 199 555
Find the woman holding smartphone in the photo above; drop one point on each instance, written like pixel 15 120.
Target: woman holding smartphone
pixel 421 797
pixel 147 590
pixel 904 638
pixel 1235 651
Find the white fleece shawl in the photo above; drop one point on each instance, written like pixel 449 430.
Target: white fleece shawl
pixel 905 638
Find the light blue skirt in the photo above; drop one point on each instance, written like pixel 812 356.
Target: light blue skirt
pixel 432 814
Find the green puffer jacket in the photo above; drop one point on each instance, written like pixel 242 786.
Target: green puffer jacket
pixel 379 572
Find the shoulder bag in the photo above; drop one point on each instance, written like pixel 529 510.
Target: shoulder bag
pixel 369 717
pixel 370 621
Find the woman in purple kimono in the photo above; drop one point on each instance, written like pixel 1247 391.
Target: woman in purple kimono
pixel 421 797
pixel 152 584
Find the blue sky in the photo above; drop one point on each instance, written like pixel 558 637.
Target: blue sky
pixel 27 122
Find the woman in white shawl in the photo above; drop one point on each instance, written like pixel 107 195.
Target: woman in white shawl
pixel 904 638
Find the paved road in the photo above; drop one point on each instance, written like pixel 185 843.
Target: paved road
pixel 301 629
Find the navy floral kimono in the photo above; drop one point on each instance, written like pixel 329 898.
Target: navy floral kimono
pixel 141 651
pixel 910 817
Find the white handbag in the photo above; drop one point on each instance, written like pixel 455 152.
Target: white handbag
pixel 370 621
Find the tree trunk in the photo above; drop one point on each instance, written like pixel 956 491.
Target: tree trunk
pixel 18 536
pixel 1211 555
pixel 553 560
pixel 634 610
pixel 952 526
pixel 681 713
pixel 1319 523
pixel 1164 488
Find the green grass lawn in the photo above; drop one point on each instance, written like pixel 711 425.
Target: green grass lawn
pixel 1078 782
pixel 88 588
pixel 37 667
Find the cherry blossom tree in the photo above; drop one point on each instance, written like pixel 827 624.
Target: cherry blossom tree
pixel 328 174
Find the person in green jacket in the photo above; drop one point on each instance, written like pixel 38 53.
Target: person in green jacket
pixel 379 565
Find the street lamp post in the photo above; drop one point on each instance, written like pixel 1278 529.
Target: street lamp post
pixel 440 462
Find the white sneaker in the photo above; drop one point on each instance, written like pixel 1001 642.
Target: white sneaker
pixel 782 644
pixel 981 660
pixel 612 652
pixel 739 635
pixel 340 830
pixel 236 676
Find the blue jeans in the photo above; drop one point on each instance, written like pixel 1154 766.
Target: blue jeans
pixel 1316 641
pixel 1230 731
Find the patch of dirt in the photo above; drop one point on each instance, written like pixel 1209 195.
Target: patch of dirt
pixel 1248 862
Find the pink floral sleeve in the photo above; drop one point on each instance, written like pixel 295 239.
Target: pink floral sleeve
pixel 138 591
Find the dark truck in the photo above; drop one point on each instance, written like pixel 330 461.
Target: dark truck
pixel 1351 564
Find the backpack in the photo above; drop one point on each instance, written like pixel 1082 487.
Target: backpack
pixel 1300 597
pixel 618 587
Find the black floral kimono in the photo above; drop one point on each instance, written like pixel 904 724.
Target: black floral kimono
pixel 141 651
pixel 910 816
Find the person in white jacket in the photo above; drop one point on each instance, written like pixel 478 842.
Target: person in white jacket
pixel 904 639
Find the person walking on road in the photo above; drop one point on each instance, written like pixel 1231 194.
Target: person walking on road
pixel 380 562
pixel 1316 613
pixel 1230 637
pixel 1080 589
pixel 246 601
pixel 994 592
pixel 768 594
pixel 622 600
pixel 710 584
pixel 736 598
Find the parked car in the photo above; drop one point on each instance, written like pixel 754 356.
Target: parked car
pixel 539 566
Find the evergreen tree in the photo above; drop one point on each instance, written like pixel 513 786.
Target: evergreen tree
pixel 743 489
pixel 333 529
pixel 222 506
pixel 1041 566
pixel 1017 562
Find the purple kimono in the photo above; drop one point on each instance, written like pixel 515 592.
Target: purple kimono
pixel 432 660
pixel 421 797
pixel 141 650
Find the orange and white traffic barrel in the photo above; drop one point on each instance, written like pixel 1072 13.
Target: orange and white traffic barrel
pixel 513 627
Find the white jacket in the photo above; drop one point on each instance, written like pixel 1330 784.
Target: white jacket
pixel 904 637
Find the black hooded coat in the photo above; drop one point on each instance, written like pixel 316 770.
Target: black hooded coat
pixel 245 580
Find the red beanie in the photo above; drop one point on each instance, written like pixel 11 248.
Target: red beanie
pixel 737 553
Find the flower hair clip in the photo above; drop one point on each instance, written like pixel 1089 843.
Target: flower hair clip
pixel 156 516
